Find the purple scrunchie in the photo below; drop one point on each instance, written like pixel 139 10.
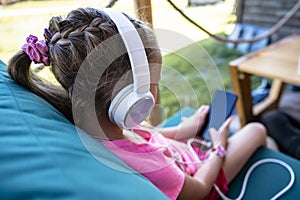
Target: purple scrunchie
pixel 37 50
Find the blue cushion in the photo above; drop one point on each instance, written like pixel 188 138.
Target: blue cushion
pixel 267 179
pixel 177 117
pixel 42 155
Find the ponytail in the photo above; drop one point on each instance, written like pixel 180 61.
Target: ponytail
pixel 20 72
pixel 18 69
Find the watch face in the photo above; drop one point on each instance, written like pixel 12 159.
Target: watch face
pixel 221 151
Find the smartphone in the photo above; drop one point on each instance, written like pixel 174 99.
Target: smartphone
pixel 221 107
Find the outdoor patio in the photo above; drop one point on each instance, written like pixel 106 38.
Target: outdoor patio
pixel 248 47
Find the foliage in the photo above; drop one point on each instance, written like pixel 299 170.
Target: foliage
pixel 193 68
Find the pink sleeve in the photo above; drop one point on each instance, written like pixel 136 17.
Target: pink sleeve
pixel 154 164
pixel 169 179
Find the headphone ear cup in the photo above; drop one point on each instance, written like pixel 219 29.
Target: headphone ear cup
pixel 117 100
pixel 128 109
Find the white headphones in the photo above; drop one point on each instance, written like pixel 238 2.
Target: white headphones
pixel 133 103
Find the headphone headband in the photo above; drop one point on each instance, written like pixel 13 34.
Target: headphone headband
pixel 134 102
pixel 135 49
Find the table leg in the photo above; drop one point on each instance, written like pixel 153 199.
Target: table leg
pixel 272 101
pixel 242 87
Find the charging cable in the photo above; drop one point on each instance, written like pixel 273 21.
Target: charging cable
pixel 250 170
pixel 208 145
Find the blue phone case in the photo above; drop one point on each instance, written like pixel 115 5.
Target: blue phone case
pixel 221 108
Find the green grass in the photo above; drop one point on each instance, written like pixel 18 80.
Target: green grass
pixel 196 71
pixel 31 17
pixel 186 69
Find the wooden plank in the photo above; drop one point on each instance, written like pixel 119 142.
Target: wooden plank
pixel 272 101
pixel 279 5
pixel 266 13
pixel 282 67
pixel 144 13
pixel 242 88
pixel 278 62
pixel 144 10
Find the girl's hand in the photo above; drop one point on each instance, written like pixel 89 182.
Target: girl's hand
pixel 189 127
pixel 220 137
pixel 200 184
pixel 192 125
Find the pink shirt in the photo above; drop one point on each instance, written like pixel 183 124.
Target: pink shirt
pixel 158 160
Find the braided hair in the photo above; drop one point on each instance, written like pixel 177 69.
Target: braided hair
pixel 69 42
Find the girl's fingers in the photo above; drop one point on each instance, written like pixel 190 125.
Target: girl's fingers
pixel 202 113
pixel 203 109
pixel 225 125
pixel 221 135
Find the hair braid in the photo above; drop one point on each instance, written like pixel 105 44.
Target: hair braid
pixel 69 42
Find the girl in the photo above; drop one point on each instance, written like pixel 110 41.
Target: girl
pixel 168 163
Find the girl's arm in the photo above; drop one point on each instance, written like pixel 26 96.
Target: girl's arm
pixel 189 127
pixel 198 186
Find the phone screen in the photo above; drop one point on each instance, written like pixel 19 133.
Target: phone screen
pixel 221 108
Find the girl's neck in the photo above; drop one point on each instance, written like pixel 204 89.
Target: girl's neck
pixel 133 137
pixel 106 130
pixel 101 128
pixel 110 130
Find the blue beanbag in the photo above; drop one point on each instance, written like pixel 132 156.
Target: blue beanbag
pixel 267 179
pixel 42 155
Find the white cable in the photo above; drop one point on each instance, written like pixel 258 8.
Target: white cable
pixel 207 144
pixel 267 160
pixel 250 170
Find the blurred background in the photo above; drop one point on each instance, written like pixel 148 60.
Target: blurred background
pixel 19 18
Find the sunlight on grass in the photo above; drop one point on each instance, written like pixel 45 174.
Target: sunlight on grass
pixel 31 17
pixel 37 4
pixel 213 54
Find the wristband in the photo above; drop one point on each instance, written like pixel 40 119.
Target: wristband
pixel 219 151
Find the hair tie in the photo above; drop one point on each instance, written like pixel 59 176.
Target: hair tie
pixel 37 50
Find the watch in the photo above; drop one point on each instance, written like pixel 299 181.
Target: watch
pixel 219 150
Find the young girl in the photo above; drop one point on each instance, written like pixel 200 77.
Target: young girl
pixel 162 157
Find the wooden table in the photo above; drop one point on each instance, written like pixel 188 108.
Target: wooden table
pixel 277 62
